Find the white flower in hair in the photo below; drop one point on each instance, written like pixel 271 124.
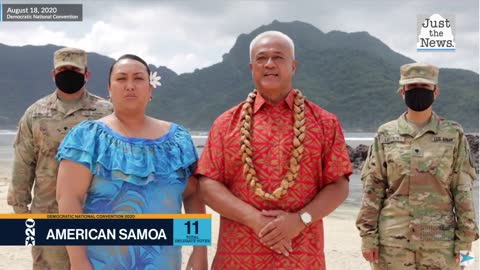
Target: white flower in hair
pixel 154 79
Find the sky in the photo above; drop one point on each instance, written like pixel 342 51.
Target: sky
pixel 188 35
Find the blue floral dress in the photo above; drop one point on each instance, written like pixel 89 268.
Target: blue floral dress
pixel 132 176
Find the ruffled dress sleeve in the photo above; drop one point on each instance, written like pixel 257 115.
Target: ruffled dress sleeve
pixel 138 161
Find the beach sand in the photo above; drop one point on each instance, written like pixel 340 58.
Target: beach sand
pixel 342 242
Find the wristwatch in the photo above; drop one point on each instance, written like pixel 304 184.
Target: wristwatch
pixel 306 218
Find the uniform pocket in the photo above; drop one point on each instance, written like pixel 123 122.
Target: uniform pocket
pixel 397 158
pixel 441 162
pixel 424 232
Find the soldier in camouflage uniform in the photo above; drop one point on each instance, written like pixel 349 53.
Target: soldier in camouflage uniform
pixel 40 131
pixel 417 210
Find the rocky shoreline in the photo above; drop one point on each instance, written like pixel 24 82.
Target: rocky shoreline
pixel 359 154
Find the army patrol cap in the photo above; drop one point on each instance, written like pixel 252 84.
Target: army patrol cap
pixel 418 73
pixel 70 56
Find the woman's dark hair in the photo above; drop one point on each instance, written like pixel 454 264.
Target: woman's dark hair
pixel 128 56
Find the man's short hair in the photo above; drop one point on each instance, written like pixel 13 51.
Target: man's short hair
pixel 272 34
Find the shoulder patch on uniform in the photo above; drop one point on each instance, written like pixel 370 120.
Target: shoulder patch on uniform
pixel 471 159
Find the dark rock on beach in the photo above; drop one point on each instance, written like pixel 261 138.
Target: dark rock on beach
pixel 357 156
pixel 473 142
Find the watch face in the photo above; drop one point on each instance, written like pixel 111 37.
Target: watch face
pixel 306 218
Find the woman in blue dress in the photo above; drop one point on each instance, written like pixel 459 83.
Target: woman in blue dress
pixel 129 163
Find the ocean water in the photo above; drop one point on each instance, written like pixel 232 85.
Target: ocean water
pixel 352 139
pixel 6 151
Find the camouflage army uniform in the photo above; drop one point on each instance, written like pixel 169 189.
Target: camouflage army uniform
pixel 41 129
pixel 417 195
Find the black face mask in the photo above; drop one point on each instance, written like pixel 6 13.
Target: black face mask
pixel 419 99
pixel 69 81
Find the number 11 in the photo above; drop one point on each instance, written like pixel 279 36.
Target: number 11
pixel 195 224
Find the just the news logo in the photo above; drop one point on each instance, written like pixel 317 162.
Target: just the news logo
pixel 435 33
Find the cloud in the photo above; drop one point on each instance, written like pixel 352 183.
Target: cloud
pixel 186 61
pixel 185 35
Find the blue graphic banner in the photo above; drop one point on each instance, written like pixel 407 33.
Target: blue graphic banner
pixel 60 229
